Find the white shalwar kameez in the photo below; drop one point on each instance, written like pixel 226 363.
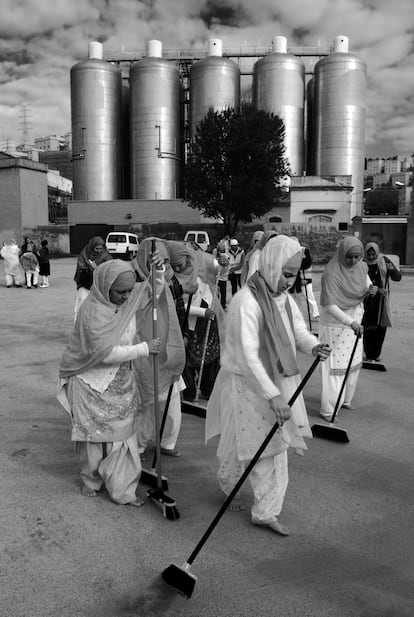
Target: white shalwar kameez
pixel 335 330
pixel 239 408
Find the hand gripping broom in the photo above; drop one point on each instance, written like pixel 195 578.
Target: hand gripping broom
pixel 180 578
pixel 331 431
pixel 166 504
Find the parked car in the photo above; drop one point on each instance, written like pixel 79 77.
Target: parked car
pixel 198 237
pixel 122 244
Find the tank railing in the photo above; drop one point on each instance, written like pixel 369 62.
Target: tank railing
pixel 164 154
pixel 228 52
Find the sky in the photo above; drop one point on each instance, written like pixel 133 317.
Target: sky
pixel 40 40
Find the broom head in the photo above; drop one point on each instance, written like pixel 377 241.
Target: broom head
pixel 374 366
pixel 166 504
pixel 181 579
pixel 329 431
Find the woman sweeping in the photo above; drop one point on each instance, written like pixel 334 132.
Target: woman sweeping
pixel 198 271
pixel 377 315
pixel 93 254
pixel 97 384
pixel 344 286
pixel 171 315
pixel 258 375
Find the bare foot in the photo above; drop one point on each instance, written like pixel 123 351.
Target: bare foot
pixel 137 503
pixel 274 526
pixel 236 505
pixel 88 492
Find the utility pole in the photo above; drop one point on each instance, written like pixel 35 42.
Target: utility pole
pixel 25 114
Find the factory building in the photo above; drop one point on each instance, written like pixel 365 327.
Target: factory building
pixel 134 147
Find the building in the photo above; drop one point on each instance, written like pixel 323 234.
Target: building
pixel 23 196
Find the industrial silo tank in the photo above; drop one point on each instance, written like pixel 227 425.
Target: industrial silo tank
pixel 309 128
pixel 155 128
pixel 96 129
pixel 279 88
pixel 339 120
pixel 214 84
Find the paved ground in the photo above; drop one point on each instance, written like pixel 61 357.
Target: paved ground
pixel 350 507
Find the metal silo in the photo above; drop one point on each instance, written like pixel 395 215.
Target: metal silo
pixel 96 128
pixel 339 118
pixel 155 126
pixel 214 84
pixel 279 88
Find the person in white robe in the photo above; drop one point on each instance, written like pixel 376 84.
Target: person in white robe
pixel 258 375
pixel 344 285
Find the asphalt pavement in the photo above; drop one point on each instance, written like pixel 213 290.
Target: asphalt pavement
pixel 349 506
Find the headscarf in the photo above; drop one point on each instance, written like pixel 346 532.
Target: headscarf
pixel 178 251
pixel 142 262
pixel 88 253
pixel 263 284
pixel 251 263
pixel 345 286
pixel 379 259
pixel 100 323
pixel 171 360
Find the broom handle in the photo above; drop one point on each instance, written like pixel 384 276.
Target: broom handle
pixel 348 368
pixel 249 467
pixel 167 402
pixel 203 355
pixel 155 371
pixel 307 300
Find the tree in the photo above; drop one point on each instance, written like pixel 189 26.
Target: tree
pixel 383 200
pixel 235 165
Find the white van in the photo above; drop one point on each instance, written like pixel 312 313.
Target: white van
pixel 198 237
pixel 122 244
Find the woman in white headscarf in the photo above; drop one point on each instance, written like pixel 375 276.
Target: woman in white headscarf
pixel 258 375
pixel 98 386
pixel 344 285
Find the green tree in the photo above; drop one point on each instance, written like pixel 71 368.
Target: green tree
pixel 235 165
pixel 383 200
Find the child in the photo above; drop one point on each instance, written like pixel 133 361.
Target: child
pixel 30 265
pixel 44 264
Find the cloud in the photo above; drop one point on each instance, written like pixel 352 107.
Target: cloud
pixel 36 54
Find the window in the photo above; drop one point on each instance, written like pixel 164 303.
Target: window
pixel 275 219
pixel 191 237
pixel 342 226
pixel 320 218
pixel 201 237
pixel 133 240
pixel 117 238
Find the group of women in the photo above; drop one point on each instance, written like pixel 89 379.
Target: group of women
pixel 250 357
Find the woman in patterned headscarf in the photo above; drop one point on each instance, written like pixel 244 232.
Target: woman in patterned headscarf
pixel 97 386
pixel 344 285
pixel 258 375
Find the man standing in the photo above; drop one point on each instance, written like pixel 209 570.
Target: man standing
pixel 237 257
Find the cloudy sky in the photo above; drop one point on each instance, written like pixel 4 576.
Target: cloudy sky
pixel 40 40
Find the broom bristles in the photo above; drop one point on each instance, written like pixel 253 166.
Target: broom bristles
pixel 330 432
pixel 158 599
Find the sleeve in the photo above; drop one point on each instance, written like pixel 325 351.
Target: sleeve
pixel 338 314
pixel 305 341
pixel 250 342
pixel 395 273
pixel 125 353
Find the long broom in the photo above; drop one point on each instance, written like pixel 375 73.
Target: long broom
pixel 157 495
pixel 180 578
pixel 194 407
pixel 373 365
pixel 330 431
pixel 150 476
